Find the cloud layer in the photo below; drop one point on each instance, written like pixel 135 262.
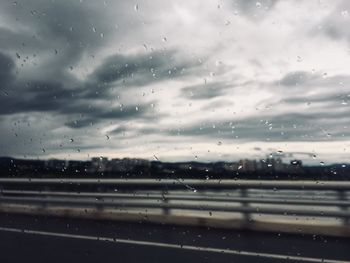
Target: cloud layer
pixel 181 81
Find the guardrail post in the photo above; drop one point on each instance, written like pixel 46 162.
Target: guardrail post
pixel 99 205
pixel 342 197
pixel 246 215
pixel 165 200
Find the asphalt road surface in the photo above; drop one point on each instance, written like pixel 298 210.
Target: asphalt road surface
pixel 48 239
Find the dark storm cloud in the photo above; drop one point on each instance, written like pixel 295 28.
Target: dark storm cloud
pixel 45 96
pixel 6 70
pixel 336 24
pixel 205 91
pixel 287 127
pixel 329 95
pixel 332 100
pixel 307 80
pixel 95 114
pixel 52 28
pixel 143 68
pixel 55 25
pixel 252 8
pixel 296 78
pixel 81 123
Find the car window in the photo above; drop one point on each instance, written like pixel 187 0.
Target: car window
pixel 215 131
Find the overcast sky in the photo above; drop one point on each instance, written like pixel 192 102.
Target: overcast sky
pixel 175 80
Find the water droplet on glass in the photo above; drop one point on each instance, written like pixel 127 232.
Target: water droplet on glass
pixel 258 4
pixel 136 7
pixel 345 13
pixel 219 143
pixel 322 163
pixel 164 39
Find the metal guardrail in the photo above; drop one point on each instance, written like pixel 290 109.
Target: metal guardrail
pixel 285 198
pixel 179 183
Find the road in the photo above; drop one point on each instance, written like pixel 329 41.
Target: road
pixel 48 239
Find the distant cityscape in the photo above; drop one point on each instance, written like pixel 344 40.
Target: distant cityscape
pixel 269 168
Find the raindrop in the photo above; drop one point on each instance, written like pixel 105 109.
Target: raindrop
pixel 18 56
pixel 101 35
pixel 5 92
pixel 164 39
pixel 219 143
pixel 71 140
pixel 314 156
pixel 258 4
pixel 43 150
pixel 322 163
pixel 345 13
pixel 107 137
pixel 136 7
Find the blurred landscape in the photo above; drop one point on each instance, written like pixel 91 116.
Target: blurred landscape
pixel 264 169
